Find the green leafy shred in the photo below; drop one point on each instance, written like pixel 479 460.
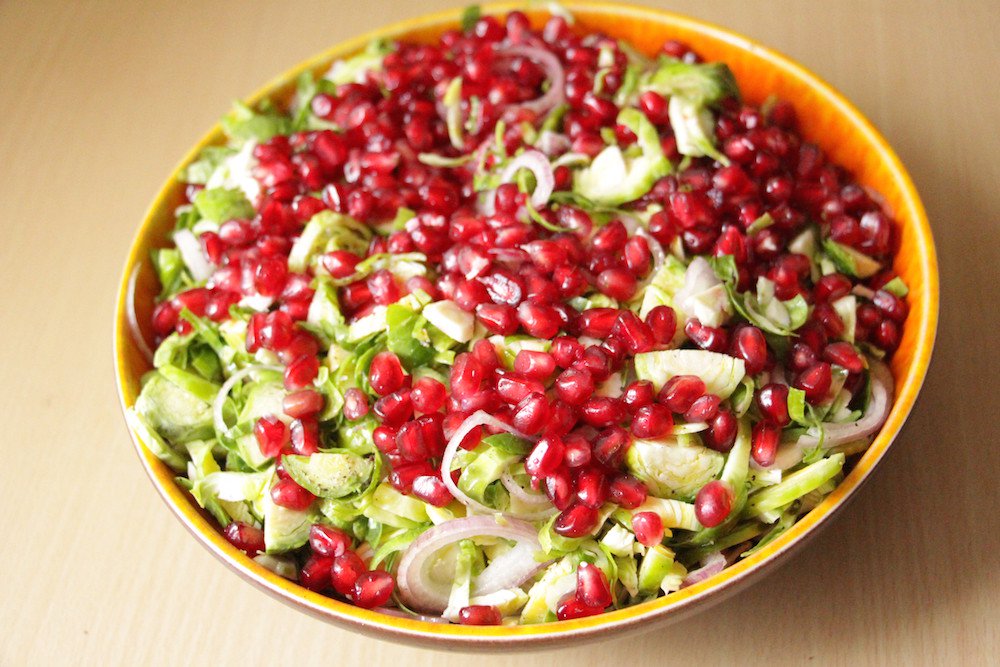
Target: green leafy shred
pixel 221 205
pixel 243 124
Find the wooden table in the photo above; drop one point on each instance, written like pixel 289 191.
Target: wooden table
pixel 99 99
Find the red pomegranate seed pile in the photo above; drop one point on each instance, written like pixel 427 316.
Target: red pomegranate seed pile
pixel 518 278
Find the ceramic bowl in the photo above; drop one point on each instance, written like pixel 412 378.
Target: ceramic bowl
pixel 826 118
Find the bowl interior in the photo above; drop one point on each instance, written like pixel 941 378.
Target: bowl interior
pixel 825 118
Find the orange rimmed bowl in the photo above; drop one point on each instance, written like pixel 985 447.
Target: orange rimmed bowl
pixel 825 117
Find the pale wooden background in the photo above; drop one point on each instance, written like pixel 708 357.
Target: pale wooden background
pixel 98 100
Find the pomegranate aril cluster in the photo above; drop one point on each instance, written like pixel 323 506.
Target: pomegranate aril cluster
pixel 514 278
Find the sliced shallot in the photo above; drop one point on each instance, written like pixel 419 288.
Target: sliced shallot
pixel 512 569
pixel 133 320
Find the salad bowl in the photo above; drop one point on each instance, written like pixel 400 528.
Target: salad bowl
pixel 826 118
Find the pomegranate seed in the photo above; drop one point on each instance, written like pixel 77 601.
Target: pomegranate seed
pixel 432 490
pixel 713 503
pixel 634 333
pixel 301 372
pixel 827 318
pixel 565 351
pixel 721 433
pixel 569 281
pixel 831 287
pixel 545 458
pixel 432 426
pixel 410 442
pixel 637 395
pixel 245 538
pixel 385 375
pixel 486 354
pixel 428 395
pixel 559 489
pixel 748 344
pixel 680 392
pixel 302 403
pixel 638 257
pixel 287 493
pixel 576 452
pixel 504 288
pixel 275 331
pixel 328 541
pixel 592 587
pixel 815 381
pixel 339 263
pixel 539 320
pixel 887 335
pixel 574 386
pixel 534 365
pixel 601 411
pixel 301 345
pixel 706 337
pixel 479 615
pixel 648 528
pixel 597 322
pixel 802 357
pixel 383 287
pixel 876 231
pixel 891 305
pixel 662 321
pixel 355 404
pixel 703 409
pixel 165 319
pixel 610 446
pixel 467 375
pixel 405 475
pixel 513 388
pixel 532 414
pixel 627 491
pixel 384 438
pixel 344 573
pixel 315 573
pixel 576 521
pixel 764 443
pixel 305 436
pixel 772 401
pixel 271 434
pixel 592 487
pixel 844 355
pixel 270 275
pixel 652 421
pixel 617 283
pixel 395 408
pixel 373 589
pixel 574 608
pixel 498 318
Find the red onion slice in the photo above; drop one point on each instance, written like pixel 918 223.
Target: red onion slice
pixel 635 227
pixel 554 72
pixel 552 143
pixel 711 566
pixel 538 164
pixel 511 569
pixel 133 320
pixel 227 386
pixel 478 418
pixel 538 501
pixel 841 433
pixel 193 255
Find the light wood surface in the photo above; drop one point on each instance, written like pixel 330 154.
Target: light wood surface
pixel 98 100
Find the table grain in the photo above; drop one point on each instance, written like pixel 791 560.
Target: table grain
pixel 98 100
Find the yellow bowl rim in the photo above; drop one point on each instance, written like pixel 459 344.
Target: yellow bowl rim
pixel 678 604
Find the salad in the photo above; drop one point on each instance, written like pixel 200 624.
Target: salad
pixel 516 327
